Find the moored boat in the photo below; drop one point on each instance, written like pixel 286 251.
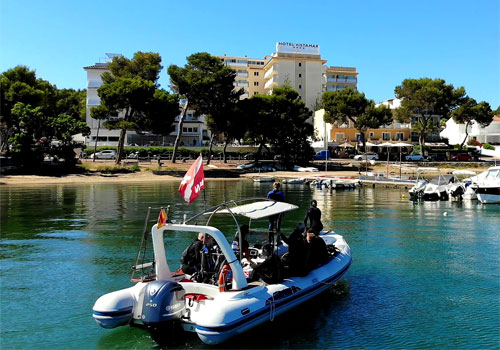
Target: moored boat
pixel 227 300
pixel 488 189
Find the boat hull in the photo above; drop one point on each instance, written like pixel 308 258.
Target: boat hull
pixel 272 304
pixel 488 195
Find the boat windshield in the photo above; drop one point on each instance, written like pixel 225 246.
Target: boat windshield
pixel 493 174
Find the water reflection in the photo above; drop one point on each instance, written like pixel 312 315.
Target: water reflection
pixel 66 245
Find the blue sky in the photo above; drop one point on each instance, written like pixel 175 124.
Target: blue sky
pixel 387 41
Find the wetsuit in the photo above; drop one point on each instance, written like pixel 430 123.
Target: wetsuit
pixel 314 215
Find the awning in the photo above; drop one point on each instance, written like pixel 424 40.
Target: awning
pixel 259 210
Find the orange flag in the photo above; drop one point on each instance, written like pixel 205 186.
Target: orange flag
pixel 162 218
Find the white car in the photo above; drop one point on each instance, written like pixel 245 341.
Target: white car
pixel 415 157
pixel 104 154
pixel 366 156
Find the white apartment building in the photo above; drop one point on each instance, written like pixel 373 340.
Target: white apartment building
pixel 195 132
pixel 455 133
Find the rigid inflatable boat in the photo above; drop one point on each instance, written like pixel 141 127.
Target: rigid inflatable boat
pixel 227 301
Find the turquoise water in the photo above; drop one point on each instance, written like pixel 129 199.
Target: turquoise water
pixel 419 279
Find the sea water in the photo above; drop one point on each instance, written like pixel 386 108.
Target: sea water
pixel 419 278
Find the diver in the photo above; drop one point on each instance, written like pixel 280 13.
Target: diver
pixel 313 214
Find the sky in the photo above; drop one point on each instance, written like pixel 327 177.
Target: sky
pixel 386 41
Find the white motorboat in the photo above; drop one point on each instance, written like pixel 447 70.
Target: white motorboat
pixel 457 189
pixel 488 189
pixel 300 181
pixel 165 302
pixel 430 190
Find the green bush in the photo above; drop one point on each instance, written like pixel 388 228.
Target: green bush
pixel 488 146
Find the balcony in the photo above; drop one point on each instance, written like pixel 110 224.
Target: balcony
pixel 270 73
pixel 241 83
pixel 270 84
pixel 242 75
pixel 92 84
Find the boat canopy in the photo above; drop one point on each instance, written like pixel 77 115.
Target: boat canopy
pixel 259 210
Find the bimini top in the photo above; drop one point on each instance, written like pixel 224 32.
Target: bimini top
pixel 259 210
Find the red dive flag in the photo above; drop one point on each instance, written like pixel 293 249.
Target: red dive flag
pixel 162 218
pixel 193 182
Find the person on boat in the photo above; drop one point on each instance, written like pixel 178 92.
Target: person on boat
pixel 316 251
pixel 245 230
pixel 313 215
pixel 191 258
pixel 269 270
pixel 295 259
pixel 276 195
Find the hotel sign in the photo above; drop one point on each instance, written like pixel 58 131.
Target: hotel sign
pixel 304 49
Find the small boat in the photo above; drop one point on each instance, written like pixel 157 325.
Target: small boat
pixel 263 179
pixel 488 189
pixel 295 181
pixel 457 189
pixel 225 303
pixel 430 189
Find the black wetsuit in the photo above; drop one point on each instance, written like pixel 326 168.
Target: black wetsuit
pixel 314 215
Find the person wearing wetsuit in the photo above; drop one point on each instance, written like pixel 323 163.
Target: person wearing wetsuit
pixel 314 216
pixel 191 257
pixel 295 259
pixel 278 196
pixel 316 251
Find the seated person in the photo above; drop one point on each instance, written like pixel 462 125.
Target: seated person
pixel 191 258
pixel 269 270
pixel 316 251
pixel 296 251
pixel 244 229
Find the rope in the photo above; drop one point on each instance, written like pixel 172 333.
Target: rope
pixel 272 309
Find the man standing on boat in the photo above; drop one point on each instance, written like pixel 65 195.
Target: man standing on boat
pixel 314 216
pixel 278 196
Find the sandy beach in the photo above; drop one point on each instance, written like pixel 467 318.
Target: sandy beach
pixel 147 175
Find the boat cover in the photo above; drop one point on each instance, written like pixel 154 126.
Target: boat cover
pixel 259 210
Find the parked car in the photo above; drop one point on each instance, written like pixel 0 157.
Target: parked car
pixel 437 157
pixel 414 157
pixel 104 154
pixel 462 157
pixel 321 155
pixel 366 156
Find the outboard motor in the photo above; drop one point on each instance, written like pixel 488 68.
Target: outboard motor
pixel 162 309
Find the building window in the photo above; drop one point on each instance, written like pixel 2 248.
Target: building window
pixel 371 134
pixel 300 75
pixel 386 136
pixel 339 137
pixel 255 93
pixel 255 83
pixel 255 74
pixel 300 86
pixel 399 136
pixel 300 64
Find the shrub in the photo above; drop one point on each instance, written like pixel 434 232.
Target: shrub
pixel 488 146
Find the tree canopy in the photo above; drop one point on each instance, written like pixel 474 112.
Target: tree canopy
pixel 470 111
pixel 132 100
pixel 421 99
pixel 351 105
pixel 280 119
pixel 207 85
pixel 34 113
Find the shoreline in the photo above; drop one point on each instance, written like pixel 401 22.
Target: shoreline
pixel 217 171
